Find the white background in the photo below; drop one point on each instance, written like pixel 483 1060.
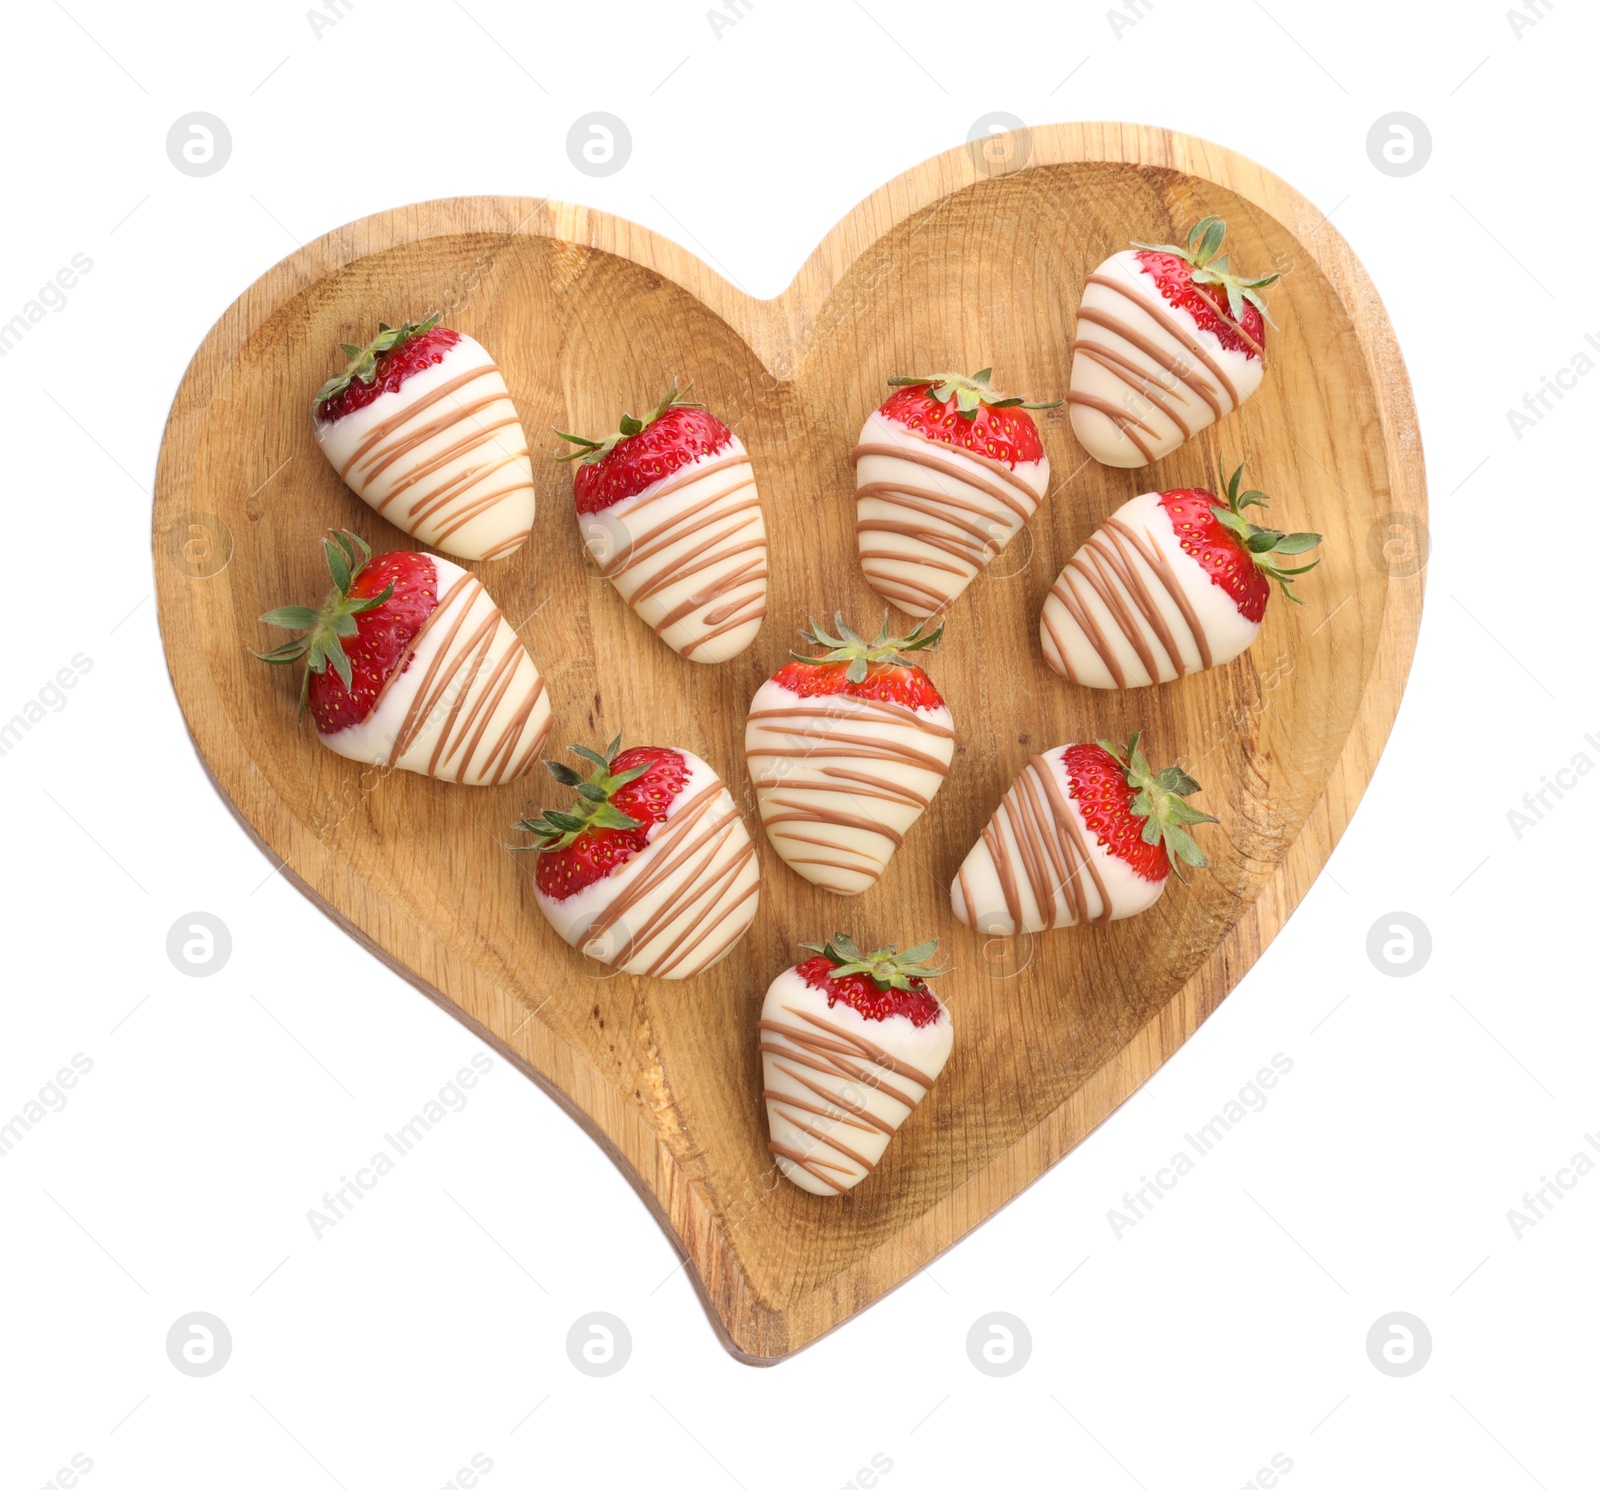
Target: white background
pixel 1227 1327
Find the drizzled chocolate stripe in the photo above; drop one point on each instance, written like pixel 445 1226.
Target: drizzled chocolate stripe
pixel 958 515
pixel 874 1052
pixel 700 890
pixel 447 504
pixel 844 765
pixel 397 448
pixel 844 1059
pixel 1123 568
pixel 1123 420
pixel 1135 377
pixel 860 1116
pixel 506 546
pixel 456 687
pixel 1177 368
pixel 1168 320
pixel 1221 314
pixel 810 1165
pixel 1021 499
pixel 730 552
pixel 864 746
pixel 1046 847
pixel 877 708
pixel 387 427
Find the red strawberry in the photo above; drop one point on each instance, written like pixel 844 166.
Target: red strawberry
pixel 383 365
pixel 1143 380
pixel 410 665
pixel 618 804
pixel 692 559
pixel 1184 542
pixel 1196 281
pixel 1234 552
pixel 836 1094
pixel 642 452
pixel 655 837
pixel 965 412
pixel 1205 304
pixel 947 473
pixel 886 982
pixel 1034 868
pixel 1136 814
pixel 846 751
pixel 364 629
pixel 862 669
pixel 420 425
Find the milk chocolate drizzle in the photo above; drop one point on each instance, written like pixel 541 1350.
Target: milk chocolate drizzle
pixel 423 497
pixel 730 552
pixel 697 861
pixel 1127 571
pixel 1172 384
pixel 1046 848
pixel 966 514
pixel 828 1060
pixel 460 693
pixel 835 736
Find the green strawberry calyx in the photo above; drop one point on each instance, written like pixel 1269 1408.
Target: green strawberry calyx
pixel 594 807
pixel 363 364
pixel 589 451
pixel 888 967
pixel 1205 268
pixel 1159 800
pixel 851 648
pixel 325 627
pixel 1262 544
pixel 970 393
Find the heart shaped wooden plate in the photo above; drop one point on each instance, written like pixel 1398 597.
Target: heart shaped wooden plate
pixel 957 264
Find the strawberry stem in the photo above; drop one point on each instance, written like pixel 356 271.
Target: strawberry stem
pixel 1262 543
pixel 888 967
pixel 363 364
pixel 970 394
pixel 593 809
pixel 848 647
pixel 589 451
pixel 1159 800
pixel 324 628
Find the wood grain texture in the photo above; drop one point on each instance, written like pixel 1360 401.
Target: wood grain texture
pixel 947 266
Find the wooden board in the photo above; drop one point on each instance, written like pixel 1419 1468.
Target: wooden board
pixel 957 264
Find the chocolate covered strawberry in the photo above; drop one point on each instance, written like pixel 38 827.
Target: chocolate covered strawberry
pixel 1169 339
pixel 651 868
pixel 846 750
pixel 850 1042
pixel 409 664
pixel 1086 834
pixel 1170 583
pixel 947 472
pixel 668 508
pixel 420 426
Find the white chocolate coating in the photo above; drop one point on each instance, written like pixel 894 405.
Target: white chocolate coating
pixel 1145 377
pixel 442 456
pixel 1131 608
pixel 468 706
pixel 838 1085
pixel 689 554
pixel 682 901
pixel 931 517
pixel 840 780
pixel 1036 866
